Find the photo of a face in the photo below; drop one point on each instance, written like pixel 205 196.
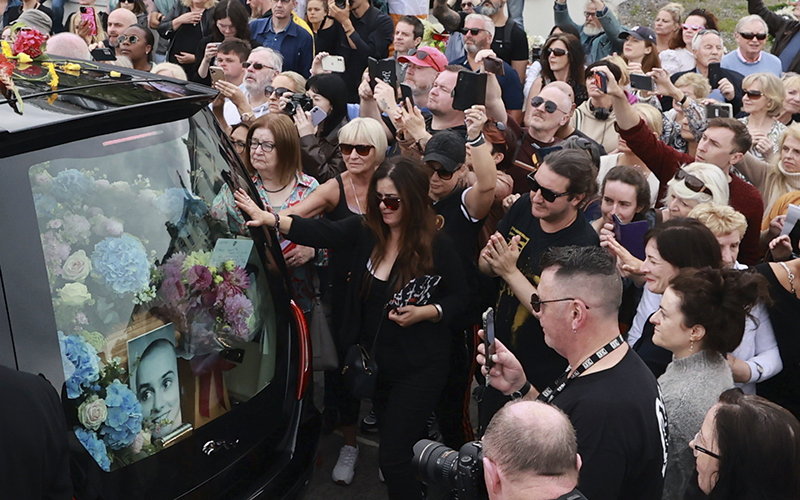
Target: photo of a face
pixel 154 379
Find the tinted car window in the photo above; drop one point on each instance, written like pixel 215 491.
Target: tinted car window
pixel 163 312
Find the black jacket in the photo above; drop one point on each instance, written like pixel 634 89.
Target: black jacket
pixel 782 28
pixel 732 76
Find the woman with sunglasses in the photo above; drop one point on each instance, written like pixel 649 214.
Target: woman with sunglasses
pixel 562 60
pixel 283 86
pixel 762 99
pixel 692 185
pixel 679 57
pixel 699 342
pixel 230 20
pixel 138 43
pixel 396 242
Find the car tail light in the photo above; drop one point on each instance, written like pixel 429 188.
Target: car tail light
pixel 304 376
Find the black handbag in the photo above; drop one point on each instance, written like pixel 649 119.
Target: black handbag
pixel 360 371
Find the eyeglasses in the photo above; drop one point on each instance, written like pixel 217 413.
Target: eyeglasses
pixel 557 52
pixel 361 149
pixel 548 194
pixel 692 27
pixel 700 449
pixel 692 182
pixel 239 146
pixel 536 304
pixel 586 13
pixel 752 94
pixel 472 31
pixel 266 147
pixel 131 39
pixel 549 106
pixel 422 55
pixel 467 4
pixel 226 27
pixel 443 174
pixel 127 1
pixel 256 65
pixel 270 90
pixel 750 36
pixel 390 202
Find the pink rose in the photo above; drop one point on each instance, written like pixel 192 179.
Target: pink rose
pixel 92 413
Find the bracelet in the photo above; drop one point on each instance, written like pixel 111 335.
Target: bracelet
pixel 439 311
pixel 277 221
pixel 760 370
pixel 522 392
pixel 479 141
pixel 683 101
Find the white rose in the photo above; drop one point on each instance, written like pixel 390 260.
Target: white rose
pixel 77 267
pixel 92 413
pixel 74 294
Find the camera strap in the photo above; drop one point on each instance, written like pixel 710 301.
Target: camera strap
pixel 561 382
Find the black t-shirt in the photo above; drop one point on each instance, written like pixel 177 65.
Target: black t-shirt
pixel 514 325
pixel 517 47
pixel 621 425
pixel 454 219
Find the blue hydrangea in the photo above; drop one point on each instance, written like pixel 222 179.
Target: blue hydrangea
pixel 96 447
pixel 121 264
pixel 70 184
pixel 80 361
pixel 171 204
pixel 124 420
pixel 45 205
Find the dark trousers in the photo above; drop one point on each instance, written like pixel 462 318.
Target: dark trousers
pixel 452 411
pixel 403 404
pixel 336 396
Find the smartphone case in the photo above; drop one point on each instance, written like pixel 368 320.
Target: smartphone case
pixel 470 89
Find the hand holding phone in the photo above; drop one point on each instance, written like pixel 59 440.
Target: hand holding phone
pixel 601 81
pixel 642 82
pixel 494 65
pixel 87 16
pixel 334 64
pixel 217 74
pixel 470 89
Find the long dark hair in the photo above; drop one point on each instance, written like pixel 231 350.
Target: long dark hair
pixel 237 13
pixel 759 449
pixel 331 87
pixel 418 222
pixel 711 24
pixel 685 242
pixel 577 59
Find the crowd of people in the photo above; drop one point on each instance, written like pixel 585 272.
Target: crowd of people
pixel 622 197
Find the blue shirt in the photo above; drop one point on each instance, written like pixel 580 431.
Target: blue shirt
pixel 510 86
pixel 768 63
pixel 294 43
pixel 787 54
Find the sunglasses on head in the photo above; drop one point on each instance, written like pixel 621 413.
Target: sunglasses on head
pixel 256 65
pixel 131 39
pixel 536 304
pixel 391 202
pixel 692 182
pixel 549 106
pixel 693 27
pixel 361 149
pixel 753 94
pixel 270 90
pixel 548 194
pixel 443 174
pixel 422 55
pixel 750 36
pixel 557 52
pixel 472 31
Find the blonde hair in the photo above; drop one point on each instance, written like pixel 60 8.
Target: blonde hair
pixel 123 62
pixel 206 6
pixel 791 80
pixel 101 33
pixel 365 131
pixel 651 116
pixel 775 183
pixel 297 78
pixel 675 10
pixel 720 219
pixel 698 82
pixel 625 73
pixel 712 176
pixel 169 69
pixel 771 87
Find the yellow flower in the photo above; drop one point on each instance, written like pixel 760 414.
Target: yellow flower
pixel 72 67
pixel 51 70
pixel 52 98
pixel 7 49
pixel 114 74
pixel 24 58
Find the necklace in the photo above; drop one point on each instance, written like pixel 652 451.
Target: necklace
pixel 278 190
pixel 791 277
pixel 358 203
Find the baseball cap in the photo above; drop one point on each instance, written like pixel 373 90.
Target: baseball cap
pixel 35 19
pixel 640 32
pixel 426 56
pixel 446 148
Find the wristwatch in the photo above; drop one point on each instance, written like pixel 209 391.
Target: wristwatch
pixel 522 392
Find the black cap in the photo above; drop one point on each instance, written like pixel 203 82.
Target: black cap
pixel 640 32
pixel 448 148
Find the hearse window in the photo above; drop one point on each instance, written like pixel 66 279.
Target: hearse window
pixel 163 312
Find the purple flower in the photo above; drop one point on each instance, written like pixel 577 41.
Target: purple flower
pixel 173 290
pixel 199 277
pixel 238 310
pixel 234 283
pixel 173 267
pixel 76 228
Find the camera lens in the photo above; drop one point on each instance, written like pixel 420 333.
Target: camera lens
pixel 436 462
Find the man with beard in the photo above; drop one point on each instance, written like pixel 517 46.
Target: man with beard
pixel 250 99
pixel 478 35
pixel 509 41
pixel 600 33
pixel 118 21
pixel 422 68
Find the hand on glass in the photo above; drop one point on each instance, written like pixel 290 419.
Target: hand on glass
pixel 507 374
pixel 502 256
pixel 247 205
pixel 187 18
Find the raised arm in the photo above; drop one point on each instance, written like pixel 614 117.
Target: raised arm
pixel 480 197
pixel 449 18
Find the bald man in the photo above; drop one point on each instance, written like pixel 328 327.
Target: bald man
pixel 69 45
pixel 118 21
pixel 569 130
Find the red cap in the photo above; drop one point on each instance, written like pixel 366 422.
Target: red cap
pixel 426 56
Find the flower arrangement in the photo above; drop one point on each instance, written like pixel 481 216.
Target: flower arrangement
pixel 205 301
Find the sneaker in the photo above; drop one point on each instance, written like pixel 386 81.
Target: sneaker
pixel 369 424
pixel 346 465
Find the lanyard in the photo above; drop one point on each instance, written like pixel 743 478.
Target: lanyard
pixel 561 382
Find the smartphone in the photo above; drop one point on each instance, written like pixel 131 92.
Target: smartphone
pixel 631 235
pixel 488 336
pixel 405 93
pixel 103 54
pixel 385 70
pixel 642 82
pixel 470 89
pixel 87 15
pixel 495 66
pixel 216 73
pixel 714 74
pixel 601 81
pixel 317 115
pixel 334 64
pixel 719 110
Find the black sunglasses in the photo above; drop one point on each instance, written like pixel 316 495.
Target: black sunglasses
pixel 391 202
pixel 753 94
pixel 127 1
pixel 692 182
pixel 558 52
pixel 131 39
pixel 256 65
pixel 361 150
pixel 549 106
pixel 536 304
pixel 548 194
pixel 472 31
pixel 750 36
pixel 269 90
pixel 443 174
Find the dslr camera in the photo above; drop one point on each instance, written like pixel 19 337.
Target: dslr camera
pixel 298 101
pixel 461 471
